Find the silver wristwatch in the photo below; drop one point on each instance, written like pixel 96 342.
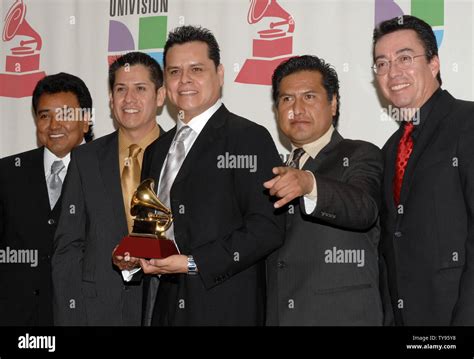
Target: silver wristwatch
pixel 192 268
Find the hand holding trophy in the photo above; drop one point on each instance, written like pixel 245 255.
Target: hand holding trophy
pixel 152 219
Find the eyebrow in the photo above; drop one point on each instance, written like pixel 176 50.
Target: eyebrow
pixel 43 111
pixel 170 67
pixel 405 49
pixel 135 83
pixel 303 93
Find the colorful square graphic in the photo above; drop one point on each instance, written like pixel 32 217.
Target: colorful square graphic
pixel 152 32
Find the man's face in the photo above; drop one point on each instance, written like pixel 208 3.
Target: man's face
pixel 134 100
pixel 412 87
pixel 58 126
pixel 192 82
pixel 304 112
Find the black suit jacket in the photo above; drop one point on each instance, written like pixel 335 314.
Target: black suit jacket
pixel 224 218
pixel 26 223
pixel 428 240
pixel 88 288
pixel 305 285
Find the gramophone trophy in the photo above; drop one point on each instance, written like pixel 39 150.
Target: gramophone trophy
pixel 22 66
pixel 273 45
pixel 152 219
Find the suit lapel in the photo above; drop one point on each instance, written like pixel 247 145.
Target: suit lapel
pixel 110 173
pixel 209 134
pixel 438 113
pixel 314 164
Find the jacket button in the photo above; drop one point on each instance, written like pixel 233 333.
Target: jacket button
pixel 36 292
pixel 398 234
pixel 281 264
pixel 51 221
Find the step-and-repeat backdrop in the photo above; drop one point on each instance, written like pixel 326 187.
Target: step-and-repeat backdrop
pixel 80 36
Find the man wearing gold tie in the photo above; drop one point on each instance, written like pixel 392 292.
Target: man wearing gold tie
pixel 88 289
pixel 326 272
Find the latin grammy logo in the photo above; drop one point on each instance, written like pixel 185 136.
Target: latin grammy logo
pixel 273 46
pixel 22 66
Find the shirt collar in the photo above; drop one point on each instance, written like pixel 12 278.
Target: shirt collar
pixel 313 148
pixel 197 123
pixel 49 157
pixel 124 141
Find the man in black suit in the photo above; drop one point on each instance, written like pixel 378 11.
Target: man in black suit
pixel 427 220
pixel 30 186
pixel 210 169
pixel 88 289
pixel 326 273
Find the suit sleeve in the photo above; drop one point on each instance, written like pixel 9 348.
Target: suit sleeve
pixel 352 202
pixel 262 230
pixel 464 310
pixel 69 243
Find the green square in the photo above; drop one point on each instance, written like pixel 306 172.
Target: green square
pixel 152 32
pixel 431 11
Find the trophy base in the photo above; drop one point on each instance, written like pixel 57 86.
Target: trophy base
pixel 146 246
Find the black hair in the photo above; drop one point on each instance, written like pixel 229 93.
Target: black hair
pixel 137 58
pixel 308 63
pixel 64 82
pixel 407 22
pixel 185 34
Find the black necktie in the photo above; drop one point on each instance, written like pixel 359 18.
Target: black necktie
pixel 295 158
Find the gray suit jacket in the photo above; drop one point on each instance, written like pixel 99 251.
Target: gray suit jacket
pixel 326 273
pixel 88 289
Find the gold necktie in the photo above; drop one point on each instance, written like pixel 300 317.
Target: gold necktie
pixel 130 179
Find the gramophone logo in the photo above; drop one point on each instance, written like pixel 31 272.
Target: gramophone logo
pixel 430 11
pixel 23 62
pixel 273 45
pixel 152 30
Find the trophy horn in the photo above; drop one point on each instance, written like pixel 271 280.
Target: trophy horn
pixel 151 215
pixel 145 197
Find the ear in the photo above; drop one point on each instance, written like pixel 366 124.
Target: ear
pixel 434 66
pixel 334 105
pixel 111 99
pixel 160 96
pixel 220 73
pixel 85 124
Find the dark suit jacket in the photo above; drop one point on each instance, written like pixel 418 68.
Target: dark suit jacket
pixel 224 218
pixel 305 286
pixel 427 243
pixel 88 288
pixel 26 223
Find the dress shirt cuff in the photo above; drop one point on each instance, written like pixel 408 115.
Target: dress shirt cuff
pixel 311 199
pixel 128 274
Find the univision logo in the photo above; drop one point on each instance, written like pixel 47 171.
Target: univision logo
pixel 430 11
pixel 152 30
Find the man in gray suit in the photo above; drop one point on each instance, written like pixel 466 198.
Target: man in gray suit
pixel 88 289
pixel 326 273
